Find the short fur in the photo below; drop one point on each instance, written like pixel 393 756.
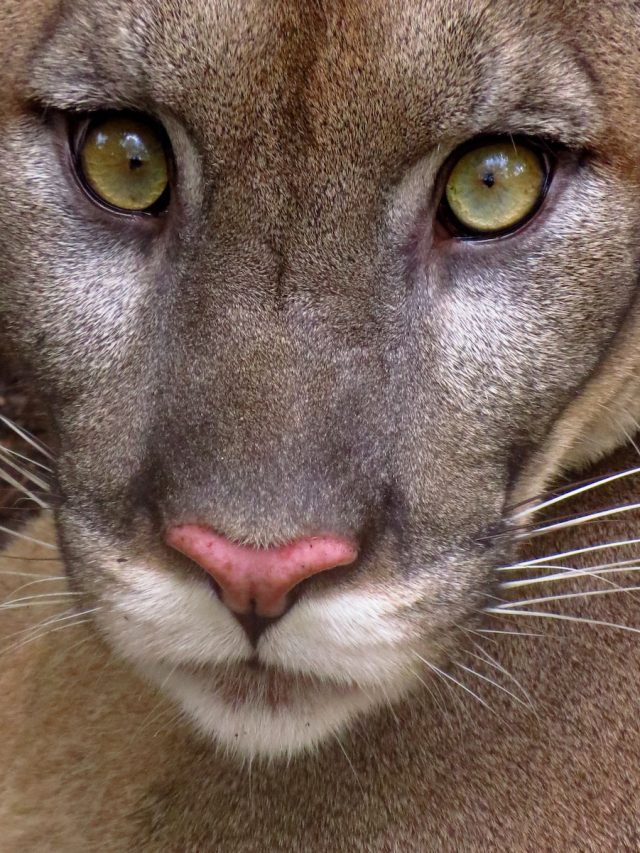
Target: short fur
pixel 296 347
pixel 95 760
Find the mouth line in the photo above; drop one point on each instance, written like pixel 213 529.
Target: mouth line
pixel 253 682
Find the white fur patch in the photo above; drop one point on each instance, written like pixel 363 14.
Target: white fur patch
pixel 258 730
pixel 352 645
pixel 348 636
pixel 152 616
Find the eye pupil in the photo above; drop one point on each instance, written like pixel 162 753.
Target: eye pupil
pixel 488 180
pixel 135 163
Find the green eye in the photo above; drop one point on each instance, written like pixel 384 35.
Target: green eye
pixel 496 187
pixel 123 161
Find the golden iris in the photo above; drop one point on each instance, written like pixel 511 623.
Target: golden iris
pixel 124 162
pixel 495 187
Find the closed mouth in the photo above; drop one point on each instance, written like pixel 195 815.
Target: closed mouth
pixel 257 684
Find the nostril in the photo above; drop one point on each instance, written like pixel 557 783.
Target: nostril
pixel 259 578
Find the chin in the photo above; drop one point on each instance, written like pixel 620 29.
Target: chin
pixel 253 711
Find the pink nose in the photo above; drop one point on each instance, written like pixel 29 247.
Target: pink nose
pixel 259 576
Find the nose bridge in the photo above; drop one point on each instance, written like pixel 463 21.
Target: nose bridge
pixel 261 424
pixel 282 331
pixel 271 390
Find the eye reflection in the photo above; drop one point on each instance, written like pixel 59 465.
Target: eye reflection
pixel 495 187
pixel 124 163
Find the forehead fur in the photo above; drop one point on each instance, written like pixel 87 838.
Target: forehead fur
pixel 373 77
pixel 426 70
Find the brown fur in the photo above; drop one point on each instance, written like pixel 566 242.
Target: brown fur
pixel 297 347
pixel 95 760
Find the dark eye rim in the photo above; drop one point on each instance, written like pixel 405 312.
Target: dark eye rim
pixel 79 127
pixel 548 158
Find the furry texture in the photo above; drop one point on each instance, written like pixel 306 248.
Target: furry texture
pixel 94 759
pixel 296 347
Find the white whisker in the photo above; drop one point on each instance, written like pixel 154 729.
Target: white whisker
pixel 493 683
pixel 156 713
pixel 27 538
pixel 21 606
pixel 39 580
pixel 6 476
pixel 489 660
pixel 581 519
pixel 436 700
pixel 24 435
pixel 577 491
pixel 33 478
pixel 20 644
pixel 511 633
pixel 586 594
pixel 541 614
pixel 525 564
pixel 349 762
pixel 52 620
pixel 27 459
pixel 22 574
pixel 569 573
pixel 450 678
pixel 40 595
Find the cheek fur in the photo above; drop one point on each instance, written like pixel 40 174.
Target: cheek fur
pixel 271 361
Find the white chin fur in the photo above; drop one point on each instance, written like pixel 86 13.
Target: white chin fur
pixel 252 731
pixel 351 645
pixel 344 636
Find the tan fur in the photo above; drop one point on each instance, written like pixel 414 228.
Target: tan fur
pixel 298 345
pixel 78 728
pixel 95 760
